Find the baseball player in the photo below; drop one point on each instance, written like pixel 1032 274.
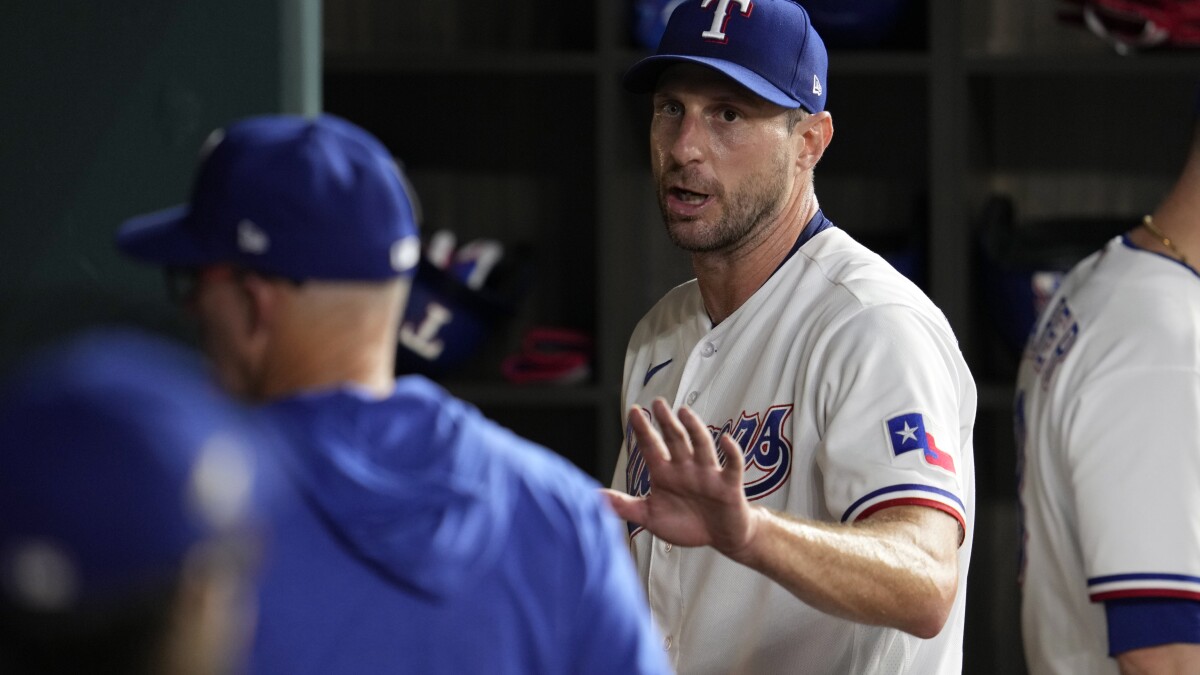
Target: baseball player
pixel 1108 429
pixel 433 540
pixel 797 475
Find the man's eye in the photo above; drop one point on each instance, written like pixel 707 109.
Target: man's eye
pixel 729 115
pixel 671 108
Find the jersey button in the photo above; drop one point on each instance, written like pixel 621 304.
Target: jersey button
pixel 667 643
pixel 708 350
pixel 667 547
pixel 692 397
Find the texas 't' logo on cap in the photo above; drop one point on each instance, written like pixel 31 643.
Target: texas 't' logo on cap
pixel 716 32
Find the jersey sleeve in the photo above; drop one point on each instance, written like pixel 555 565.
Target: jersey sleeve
pixel 1138 623
pixel 891 399
pixel 1133 453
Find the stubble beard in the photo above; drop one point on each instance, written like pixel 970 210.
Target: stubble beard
pixel 745 211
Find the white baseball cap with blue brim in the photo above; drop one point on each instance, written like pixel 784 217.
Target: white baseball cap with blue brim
pixel 768 46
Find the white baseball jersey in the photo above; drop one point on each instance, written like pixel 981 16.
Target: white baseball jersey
pixel 1108 414
pixel 846 389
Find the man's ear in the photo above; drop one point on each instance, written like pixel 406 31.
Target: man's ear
pixel 815 133
pixel 263 301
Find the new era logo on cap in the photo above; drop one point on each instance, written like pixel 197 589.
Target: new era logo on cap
pixel 767 46
pixel 251 239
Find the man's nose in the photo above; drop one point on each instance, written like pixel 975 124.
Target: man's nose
pixel 690 140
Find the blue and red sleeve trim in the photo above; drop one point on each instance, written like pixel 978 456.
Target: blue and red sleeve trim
pixel 908 494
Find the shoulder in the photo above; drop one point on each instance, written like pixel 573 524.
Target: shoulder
pixel 421 426
pixel 680 304
pixel 457 424
pixel 677 318
pixel 857 292
pixel 1122 294
pixel 856 275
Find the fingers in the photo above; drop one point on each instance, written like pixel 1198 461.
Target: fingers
pixel 674 434
pixel 626 506
pixel 735 464
pixel 699 438
pixel 649 441
pixel 681 437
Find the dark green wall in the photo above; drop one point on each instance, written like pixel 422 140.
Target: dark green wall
pixel 103 106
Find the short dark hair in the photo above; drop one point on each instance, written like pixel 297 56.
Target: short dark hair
pixel 795 116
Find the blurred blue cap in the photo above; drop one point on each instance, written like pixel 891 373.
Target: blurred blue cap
pixel 117 455
pixel 768 46
pixel 303 198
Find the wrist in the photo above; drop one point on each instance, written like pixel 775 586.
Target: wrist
pixel 746 550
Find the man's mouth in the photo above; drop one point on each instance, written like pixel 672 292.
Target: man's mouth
pixel 684 203
pixel 687 196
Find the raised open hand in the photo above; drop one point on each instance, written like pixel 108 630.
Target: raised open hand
pixel 693 500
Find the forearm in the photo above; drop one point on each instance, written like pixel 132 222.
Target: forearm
pixel 894 569
pixel 1172 659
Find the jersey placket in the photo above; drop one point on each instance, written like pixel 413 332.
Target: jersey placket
pixel 665 578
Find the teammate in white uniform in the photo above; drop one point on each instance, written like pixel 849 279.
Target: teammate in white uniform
pixel 1108 423
pixel 841 543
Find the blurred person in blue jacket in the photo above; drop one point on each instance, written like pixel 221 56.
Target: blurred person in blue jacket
pixel 433 540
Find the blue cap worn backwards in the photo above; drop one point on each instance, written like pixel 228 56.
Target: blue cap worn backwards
pixel 117 455
pixel 767 46
pixel 296 197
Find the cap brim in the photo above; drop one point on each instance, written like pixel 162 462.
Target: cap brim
pixel 642 77
pixel 162 237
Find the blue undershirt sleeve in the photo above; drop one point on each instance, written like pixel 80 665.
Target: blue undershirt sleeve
pixel 1135 623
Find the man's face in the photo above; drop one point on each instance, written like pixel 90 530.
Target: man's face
pixel 722 158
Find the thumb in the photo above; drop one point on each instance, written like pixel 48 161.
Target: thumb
pixel 626 506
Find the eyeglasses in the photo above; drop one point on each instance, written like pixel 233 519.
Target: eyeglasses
pixel 184 282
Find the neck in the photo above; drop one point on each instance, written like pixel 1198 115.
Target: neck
pixel 1178 219
pixel 308 366
pixel 336 338
pixel 728 279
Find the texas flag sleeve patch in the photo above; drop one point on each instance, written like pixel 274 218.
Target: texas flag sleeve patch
pixel 907 433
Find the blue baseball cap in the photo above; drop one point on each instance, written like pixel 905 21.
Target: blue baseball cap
pixel 768 46
pixel 303 198
pixel 117 454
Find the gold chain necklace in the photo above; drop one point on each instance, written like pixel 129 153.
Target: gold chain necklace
pixel 1148 223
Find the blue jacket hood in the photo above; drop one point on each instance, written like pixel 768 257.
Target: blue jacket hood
pixel 402 481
